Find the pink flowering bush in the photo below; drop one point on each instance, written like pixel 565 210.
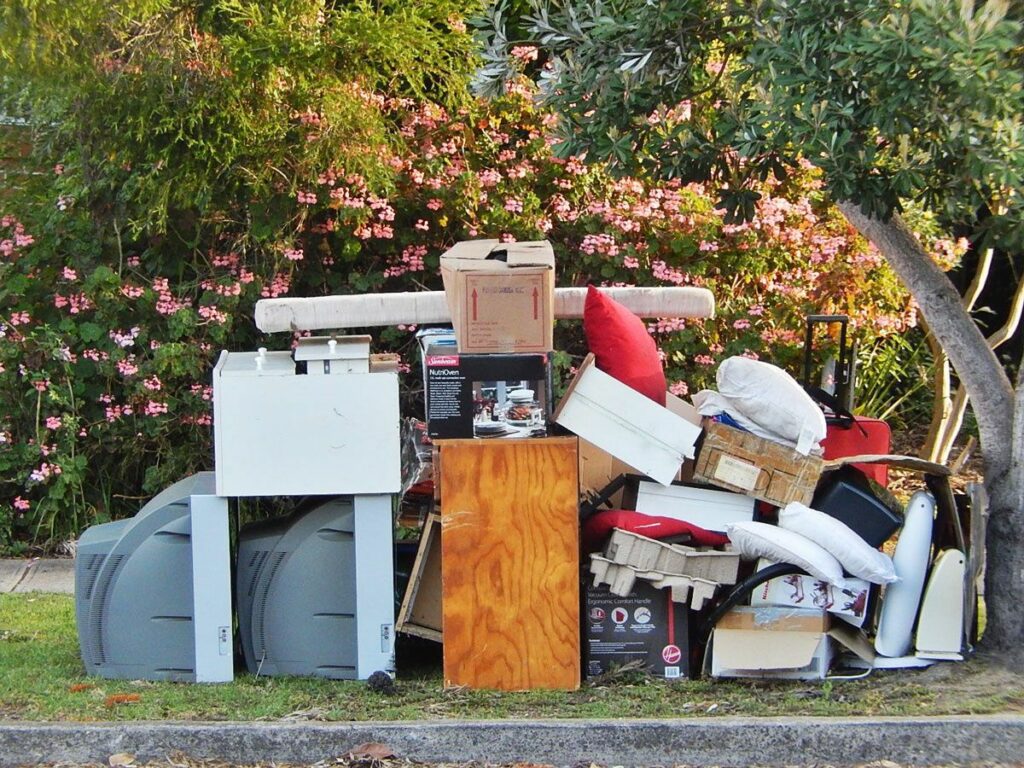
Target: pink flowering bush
pixel 107 344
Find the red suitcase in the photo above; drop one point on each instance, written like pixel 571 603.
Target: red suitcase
pixel 846 434
pixel 845 438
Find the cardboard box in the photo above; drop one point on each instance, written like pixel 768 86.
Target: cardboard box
pixel 740 461
pixel 628 425
pixel 597 469
pixel 478 395
pixel 501 295
pixel 645 628
pixel 710 508
pixel 782 643
pixel 785 643
pixel 848 602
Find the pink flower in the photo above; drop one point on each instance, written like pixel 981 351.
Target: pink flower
pixel 124 339
pixel 524 53
pixel 127 367
pixel 293 254
pixel 21 504
pixel 434 204
pixel 512 205
pixel 152 383
pixel 155 408
pixel 69 274
pixel 422 225
pixel 741 324
pixel 53 422
pixel 679 389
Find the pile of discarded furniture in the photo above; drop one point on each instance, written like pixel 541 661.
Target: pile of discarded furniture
pixel 744 534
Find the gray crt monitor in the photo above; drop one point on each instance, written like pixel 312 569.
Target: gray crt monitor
pixel 153 592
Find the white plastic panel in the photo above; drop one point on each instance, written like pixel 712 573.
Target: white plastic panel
pixel 211 579
pixel 281 434
pixel 375 605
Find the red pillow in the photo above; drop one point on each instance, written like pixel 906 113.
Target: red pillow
pixel 598 527
pixel 621 345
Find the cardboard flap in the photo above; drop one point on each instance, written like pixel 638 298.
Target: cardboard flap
pixel 493 255
pixel 853 640
pixel 893 460
pixel 754 649
pixel 683 409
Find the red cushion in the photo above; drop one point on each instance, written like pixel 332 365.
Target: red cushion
pixel 622 346
pixel 598 527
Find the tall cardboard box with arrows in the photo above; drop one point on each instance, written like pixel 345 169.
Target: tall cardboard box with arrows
pixel 501 295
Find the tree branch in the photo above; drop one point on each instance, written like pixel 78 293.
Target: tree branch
pixel 976 364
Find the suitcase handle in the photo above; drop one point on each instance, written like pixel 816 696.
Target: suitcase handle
pixel 844 418
pixel 844 366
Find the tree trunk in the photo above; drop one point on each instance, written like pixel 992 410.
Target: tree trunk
pixel 1004 578
pixel 1000 418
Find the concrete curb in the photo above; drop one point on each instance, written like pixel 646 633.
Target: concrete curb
pixel 698 742
pixel 38 575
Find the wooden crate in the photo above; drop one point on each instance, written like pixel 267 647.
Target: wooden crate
pixel 510 570
pixel 420 613
pixel 740 461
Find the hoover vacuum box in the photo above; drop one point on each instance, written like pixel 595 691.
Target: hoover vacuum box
pixel 644 627
pixel 486 396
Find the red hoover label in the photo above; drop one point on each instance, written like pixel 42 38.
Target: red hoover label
pixel 671 654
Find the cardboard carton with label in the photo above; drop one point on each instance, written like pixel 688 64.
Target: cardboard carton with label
pixel 501 295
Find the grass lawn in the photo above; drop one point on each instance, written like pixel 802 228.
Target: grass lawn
pixel 41 678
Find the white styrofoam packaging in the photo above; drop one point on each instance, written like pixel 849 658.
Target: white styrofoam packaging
pixel 280 433
pixel 847 602
pixel 630 426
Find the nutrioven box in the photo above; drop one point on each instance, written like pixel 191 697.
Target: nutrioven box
pixel 486 396
pixel 645 627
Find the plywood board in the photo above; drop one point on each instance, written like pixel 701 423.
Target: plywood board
pixel 510 573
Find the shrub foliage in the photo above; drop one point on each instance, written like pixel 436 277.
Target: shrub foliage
pixel 198 158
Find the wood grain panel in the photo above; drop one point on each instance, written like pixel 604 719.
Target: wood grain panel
pixel 510 573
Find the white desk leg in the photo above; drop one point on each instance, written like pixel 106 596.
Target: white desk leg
pixel 375 591
pixel 211 585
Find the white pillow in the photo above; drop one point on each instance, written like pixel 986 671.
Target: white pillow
pixel 773 399
pixel 711 403
pixel 858 557
pixel 753 540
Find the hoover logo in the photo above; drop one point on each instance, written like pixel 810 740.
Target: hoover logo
pixel 443 360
